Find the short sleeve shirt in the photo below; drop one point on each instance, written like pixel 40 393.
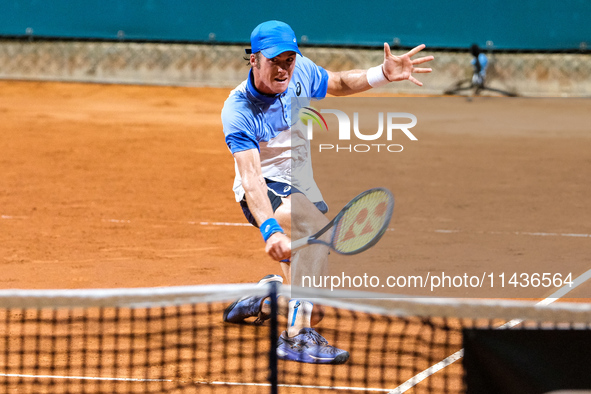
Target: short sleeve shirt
pixel 252 120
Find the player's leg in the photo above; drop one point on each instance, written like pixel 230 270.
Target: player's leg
pixel 308 261
pixel 300 342
pixel 257 306
pixel 280 196
pixel 302 218
pixel 298 217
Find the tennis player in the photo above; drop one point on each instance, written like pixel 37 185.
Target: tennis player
pixel 274 183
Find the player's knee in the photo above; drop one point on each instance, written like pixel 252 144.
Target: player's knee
pixel 306 218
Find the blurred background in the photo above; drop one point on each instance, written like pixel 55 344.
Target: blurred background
pixel 535 47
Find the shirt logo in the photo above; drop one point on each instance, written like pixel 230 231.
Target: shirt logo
pixel 298 89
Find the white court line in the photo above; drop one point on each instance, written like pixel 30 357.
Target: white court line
pixel 16 375
pixel 173 381
pixel 534 234
pixel 222 224
pixel 117 220
pixel 460 353
pixel 441 231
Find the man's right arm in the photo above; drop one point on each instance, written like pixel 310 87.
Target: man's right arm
pixel 278 245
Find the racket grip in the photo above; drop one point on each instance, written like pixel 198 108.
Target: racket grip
pixel 300 243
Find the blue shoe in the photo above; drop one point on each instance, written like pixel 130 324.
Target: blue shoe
pixel 250 306
pixel 309 347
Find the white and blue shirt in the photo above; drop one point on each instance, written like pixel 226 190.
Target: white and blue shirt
pixel 253 120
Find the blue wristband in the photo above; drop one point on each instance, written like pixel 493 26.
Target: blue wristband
pixel 270 227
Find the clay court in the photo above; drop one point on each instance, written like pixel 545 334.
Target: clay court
pixel 108 186
pixel 130 186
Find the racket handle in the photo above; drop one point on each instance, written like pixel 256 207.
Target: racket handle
pixel 300 243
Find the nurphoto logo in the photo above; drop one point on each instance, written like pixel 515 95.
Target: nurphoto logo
pixel 392 120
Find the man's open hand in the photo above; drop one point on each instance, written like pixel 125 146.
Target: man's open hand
pixel 399 68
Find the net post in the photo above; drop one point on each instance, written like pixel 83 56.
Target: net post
pixel 273 337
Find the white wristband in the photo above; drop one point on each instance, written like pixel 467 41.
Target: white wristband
pixel 376 77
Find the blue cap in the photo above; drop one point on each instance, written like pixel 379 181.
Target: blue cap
pixel 273 38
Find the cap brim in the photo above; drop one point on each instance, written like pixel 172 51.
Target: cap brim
pixel 277 50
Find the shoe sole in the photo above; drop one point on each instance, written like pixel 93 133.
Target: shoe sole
pixel 267 279
pixel 340 359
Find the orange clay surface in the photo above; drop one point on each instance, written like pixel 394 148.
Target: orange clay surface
pixel 118 186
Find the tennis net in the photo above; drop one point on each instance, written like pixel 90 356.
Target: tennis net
pixel 173 340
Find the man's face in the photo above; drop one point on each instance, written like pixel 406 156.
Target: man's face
pixel 272 76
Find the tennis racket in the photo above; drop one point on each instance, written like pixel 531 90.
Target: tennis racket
pixel 358 226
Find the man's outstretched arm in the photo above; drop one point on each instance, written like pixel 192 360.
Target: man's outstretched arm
pixel 394 68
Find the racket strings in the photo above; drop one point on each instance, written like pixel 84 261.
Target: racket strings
pixel 364 222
